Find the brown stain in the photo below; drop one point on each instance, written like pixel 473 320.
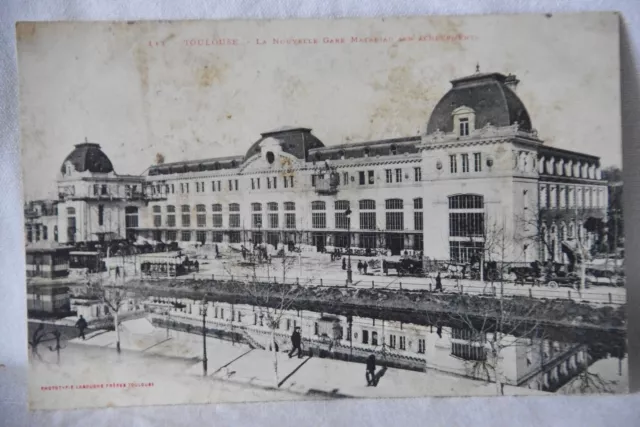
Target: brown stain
pixel 209 74
pixel 159 158
pixel 229 116
pixel 25 31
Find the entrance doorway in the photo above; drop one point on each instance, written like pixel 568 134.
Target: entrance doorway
pixel 319 241
pixel 395 242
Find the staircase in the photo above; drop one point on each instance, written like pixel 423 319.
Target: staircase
pixel 252 342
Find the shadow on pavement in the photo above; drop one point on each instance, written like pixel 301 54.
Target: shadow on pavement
pixel 293 372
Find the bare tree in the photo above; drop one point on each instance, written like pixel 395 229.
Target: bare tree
pixel 114 296
pixel 272 300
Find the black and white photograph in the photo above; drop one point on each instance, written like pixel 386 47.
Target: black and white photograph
pixel 244 211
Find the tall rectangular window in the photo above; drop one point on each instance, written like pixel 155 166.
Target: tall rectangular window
pixel 361 177
pixel 464 127
pixel 257 220
pixel 398 175
pixel 234 221
pixel 389 175
pixel 465 163
pixel 477 162
pixel 185 236
pixel 258 183
pixel 453 163
pixel 171 217
pixel 186 216
pixel 100 214
pixel 290 220
pixel 313 180
pixel 285 181
pixel 341 219
pixel 421 345
pixel 157 216
pixel 253 184
pixel 268 183
pixel 345 178
pixel 365 336
pixel 418 221
pixel 402 343
pixel 273 220
pixel 367 214
pixel 392 341
pixel 417 174
pixel 372 179
pixel 172 235
pixel 291 181
pixel 230 185
pixel 213 186
pixel 275 182
pixel 201 216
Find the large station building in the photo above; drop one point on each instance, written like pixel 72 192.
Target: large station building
pixel 478 179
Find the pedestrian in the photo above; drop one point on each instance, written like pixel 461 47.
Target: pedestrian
pixel 364 267
pixel 117 271
pixel 81 324
pixel 296 340
pixel 371 370
pixel 197 265
pixel 344 264
pixel 438 282
pixel 359 267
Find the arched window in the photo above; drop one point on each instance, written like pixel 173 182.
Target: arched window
pixel 318 205
pixel 393 204
pixel 367 215
pixel 342 205
pixel 394 215
pixel 234 207
pixel 217 207
pixel 71 211
pixel 367 204
pixel 341 218
pixel 273 217
pixel 186 215
pixel 201 216
pixel 256 207
pixel 466 226
pixel 171 217
pixel 290 216
pixel 318 216
pixel 157 216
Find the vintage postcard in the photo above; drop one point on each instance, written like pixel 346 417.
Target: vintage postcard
pixel 242 211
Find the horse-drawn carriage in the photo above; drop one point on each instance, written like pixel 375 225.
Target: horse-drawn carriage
pixel 404 267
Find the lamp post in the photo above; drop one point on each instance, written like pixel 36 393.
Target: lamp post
pixel 347 214
pixel 203 312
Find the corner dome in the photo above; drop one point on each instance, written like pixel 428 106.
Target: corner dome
pixel 88 156
pixel 296 141
pixel 489 95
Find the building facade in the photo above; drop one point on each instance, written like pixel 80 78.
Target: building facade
pixel 478 181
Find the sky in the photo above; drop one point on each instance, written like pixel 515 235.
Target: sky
pixel 200 89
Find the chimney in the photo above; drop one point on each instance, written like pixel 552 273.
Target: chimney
pixel 511 81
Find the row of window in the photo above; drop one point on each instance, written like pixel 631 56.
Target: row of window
pixel 34 233
pixel 569 196
pixel 463 160
pixel 394 219
pixel 367 177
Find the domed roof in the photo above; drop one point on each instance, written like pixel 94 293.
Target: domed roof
pixel 88 157
pixel 294 140
pixel 489 95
